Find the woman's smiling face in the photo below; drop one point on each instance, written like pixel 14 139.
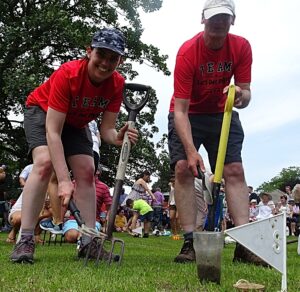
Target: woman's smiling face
pixel 102 64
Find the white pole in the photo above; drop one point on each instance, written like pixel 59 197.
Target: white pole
pixel 284 272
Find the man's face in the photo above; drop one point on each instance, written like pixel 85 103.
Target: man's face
pixel 102 64
pixel 218 26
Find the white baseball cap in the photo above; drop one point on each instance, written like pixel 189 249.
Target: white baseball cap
pixel 214 7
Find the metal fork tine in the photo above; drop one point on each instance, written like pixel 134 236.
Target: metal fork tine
pixel 100 243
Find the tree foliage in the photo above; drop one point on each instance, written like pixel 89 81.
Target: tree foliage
pixel 163 166
pixel 36 36
pixel 288 176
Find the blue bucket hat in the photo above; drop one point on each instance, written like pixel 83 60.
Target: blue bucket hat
pixel 109 38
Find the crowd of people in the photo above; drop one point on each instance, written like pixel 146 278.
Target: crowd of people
pixel 162 214
pixel 64 142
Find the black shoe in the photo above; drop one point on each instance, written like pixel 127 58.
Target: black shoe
pixel 93 253
pixel 243 255
pixel 23 250
pixel 187 253
pixel 146 235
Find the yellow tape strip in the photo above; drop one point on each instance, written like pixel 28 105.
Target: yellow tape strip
pixel 224 135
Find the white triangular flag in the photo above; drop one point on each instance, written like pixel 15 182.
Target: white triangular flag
pixel 266 238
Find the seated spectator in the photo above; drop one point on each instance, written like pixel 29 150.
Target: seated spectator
pixel 266 207
pixel 296 193
pixel 71 230
pixel 103 220
pixel 25 174
pixel 288 192
pixel 14 219
pixel 146 212
pixel 283 205
pixel 5 184
pixel 120 221
pixel 253 210
pixel 253 195
pixel 295 215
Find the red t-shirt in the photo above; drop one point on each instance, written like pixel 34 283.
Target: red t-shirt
pixel 201 73
pixel 69 90
pixel 103 197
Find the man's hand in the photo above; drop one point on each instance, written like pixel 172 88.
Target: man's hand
pixel 133 135
pixel 242 95
pixel 194 159
pixel 65 191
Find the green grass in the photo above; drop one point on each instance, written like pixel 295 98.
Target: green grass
pixel 147 266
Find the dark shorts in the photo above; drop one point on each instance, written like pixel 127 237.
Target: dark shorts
pixel 206 129
pixel 75 141
pixel 148 216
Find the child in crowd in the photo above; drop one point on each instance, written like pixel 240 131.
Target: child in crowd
pixel 144 210
pixel 253 210
pixel 120 221
pixel 266 207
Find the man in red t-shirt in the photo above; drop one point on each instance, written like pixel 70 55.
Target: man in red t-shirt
pixel 103 198
pixel 204 68
pixel 55 122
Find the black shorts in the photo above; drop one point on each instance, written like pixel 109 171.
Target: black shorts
pixel 148 216
pixel 75 141
pixel 206 129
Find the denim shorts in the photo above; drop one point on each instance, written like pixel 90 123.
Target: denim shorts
pixel 206 130
pixel 72 224
pixel 75 140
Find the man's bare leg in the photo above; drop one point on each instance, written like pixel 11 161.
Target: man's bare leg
pixel 236 193
pixel 186 204
pixel 185 196
pixel 238 204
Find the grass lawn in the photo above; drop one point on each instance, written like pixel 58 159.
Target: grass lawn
pixel 147 266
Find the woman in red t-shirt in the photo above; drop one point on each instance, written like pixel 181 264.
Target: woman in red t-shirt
pixel 55 122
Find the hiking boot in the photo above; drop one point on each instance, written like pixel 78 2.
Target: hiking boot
pixel 50 226
pixel 23 250
pixel 83 249
pixel 242 254
pixel 187 253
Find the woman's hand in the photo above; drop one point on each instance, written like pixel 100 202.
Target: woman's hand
pixel 65 191
pixel 132 133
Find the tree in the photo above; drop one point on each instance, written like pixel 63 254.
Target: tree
pixel 288 176
pixel 163 166
pixel 38 35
